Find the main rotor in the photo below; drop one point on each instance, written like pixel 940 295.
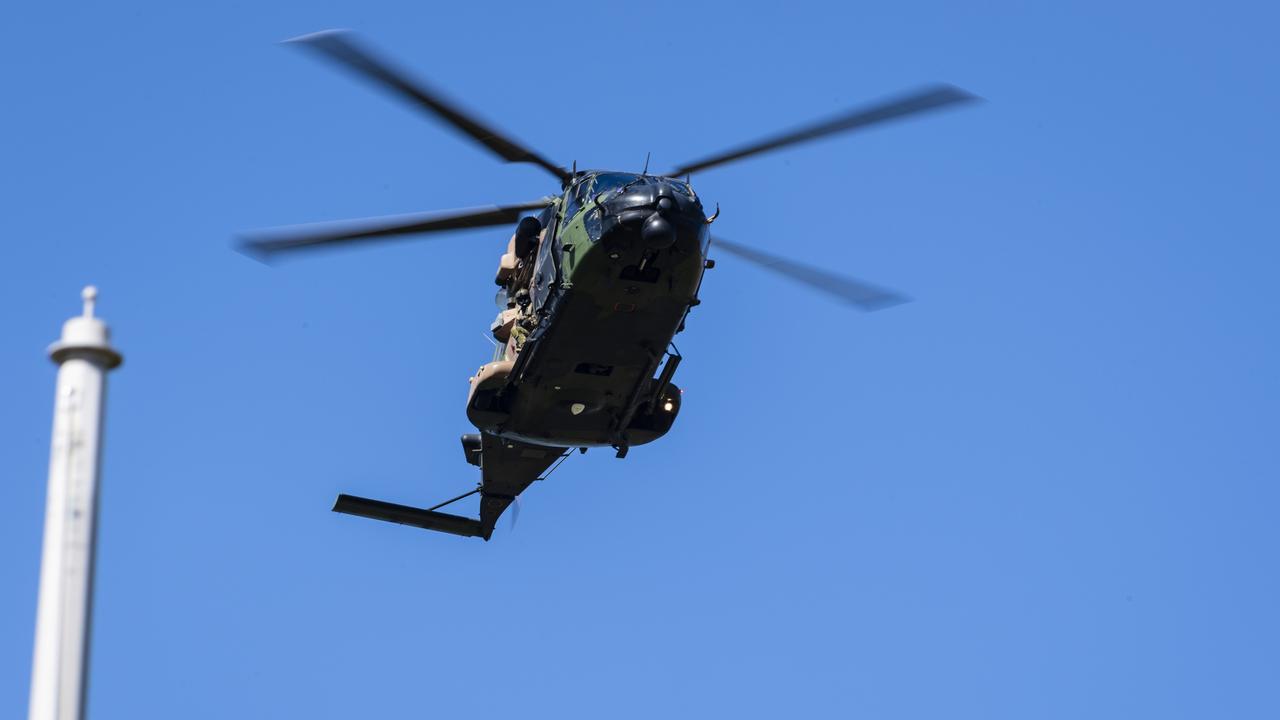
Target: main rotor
pixel 341 47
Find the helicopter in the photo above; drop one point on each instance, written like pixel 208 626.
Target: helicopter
pixel 596 281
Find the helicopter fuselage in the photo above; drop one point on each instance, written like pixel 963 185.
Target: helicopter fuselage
pixel 591 309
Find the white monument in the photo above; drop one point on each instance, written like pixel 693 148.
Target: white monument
pixel 58 673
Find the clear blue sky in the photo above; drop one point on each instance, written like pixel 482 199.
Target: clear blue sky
pixel 1045 489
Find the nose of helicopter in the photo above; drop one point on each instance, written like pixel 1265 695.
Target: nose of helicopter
pixel 654 213
pixel 658 233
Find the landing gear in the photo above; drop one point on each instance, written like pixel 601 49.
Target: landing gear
pixel 622 450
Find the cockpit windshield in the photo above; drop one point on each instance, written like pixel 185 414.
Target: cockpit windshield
pixel 606 182
pixel 609 181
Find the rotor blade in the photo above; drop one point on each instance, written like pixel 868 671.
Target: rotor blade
pixel 855 292
pixel 263 244
pixel 920 101
pixel 339 46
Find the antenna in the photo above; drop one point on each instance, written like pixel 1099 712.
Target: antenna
pixel 645 171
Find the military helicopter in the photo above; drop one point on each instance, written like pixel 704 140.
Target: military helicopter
pixel 596 281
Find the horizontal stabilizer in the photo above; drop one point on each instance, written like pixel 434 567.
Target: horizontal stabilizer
pixel 405 515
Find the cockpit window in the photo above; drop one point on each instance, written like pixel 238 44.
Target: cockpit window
pixel 610 181
pixel 580 193
pixel 576 198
